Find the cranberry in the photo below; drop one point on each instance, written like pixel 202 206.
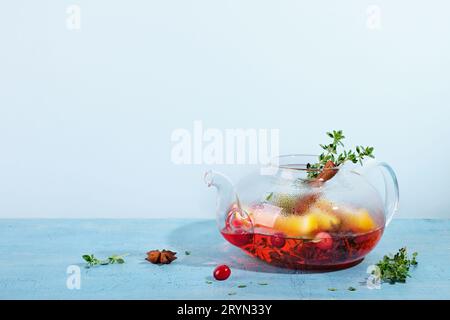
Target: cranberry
pixel 326 241
pixel 278 240
pixel 222 272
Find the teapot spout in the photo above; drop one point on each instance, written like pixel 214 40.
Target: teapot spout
pixel 225 188
pixel 233 221
pixel 227 198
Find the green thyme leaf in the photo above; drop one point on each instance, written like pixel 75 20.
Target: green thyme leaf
pixel 88 258
pixel 395 268
pixel 91 260
pixel 331 154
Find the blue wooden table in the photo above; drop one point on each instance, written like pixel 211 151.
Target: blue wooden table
pixel 36 256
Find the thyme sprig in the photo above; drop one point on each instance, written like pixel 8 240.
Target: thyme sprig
pixel 331 154
pixel 91 260
pixel 395 268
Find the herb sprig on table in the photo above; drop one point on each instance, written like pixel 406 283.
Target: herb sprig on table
pixel 91 260
pixel 331 154
pixel 396 268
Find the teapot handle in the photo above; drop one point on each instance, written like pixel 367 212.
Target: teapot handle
pixel 392 194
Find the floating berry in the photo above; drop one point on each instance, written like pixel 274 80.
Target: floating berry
pixel 326 241
pixel 278 240
pixel 222 272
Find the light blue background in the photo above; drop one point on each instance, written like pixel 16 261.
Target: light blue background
pixel 86 116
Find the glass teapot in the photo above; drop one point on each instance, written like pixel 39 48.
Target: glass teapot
pixel 291 220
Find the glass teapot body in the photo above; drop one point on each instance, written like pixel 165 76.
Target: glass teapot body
pixel 289 219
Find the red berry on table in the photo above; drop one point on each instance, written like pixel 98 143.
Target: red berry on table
pixel 278 240
pixel 325 241
pixel 222 272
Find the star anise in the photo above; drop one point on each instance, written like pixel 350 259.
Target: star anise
pixel 161 257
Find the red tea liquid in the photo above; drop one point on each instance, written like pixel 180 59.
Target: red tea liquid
pixel 345 250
